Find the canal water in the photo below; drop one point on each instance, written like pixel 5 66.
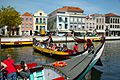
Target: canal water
pixel 110 58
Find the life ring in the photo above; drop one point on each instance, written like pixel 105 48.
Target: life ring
pixel 59 64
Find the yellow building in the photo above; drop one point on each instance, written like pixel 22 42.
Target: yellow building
pixel 40 22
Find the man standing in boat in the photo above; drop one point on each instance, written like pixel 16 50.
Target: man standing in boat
pixel 49 40
pixel 75 48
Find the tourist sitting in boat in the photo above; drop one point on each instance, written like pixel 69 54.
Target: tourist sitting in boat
pixel 59 47
pixel 24 71
pixel 54 47
pixel 65 49
pixel 75 48
pixel 50 46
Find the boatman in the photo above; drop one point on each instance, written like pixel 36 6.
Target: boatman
pixel 75 48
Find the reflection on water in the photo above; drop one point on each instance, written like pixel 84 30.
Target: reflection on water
pixel 111 63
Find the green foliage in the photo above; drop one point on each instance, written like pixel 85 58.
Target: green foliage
pixel 9 17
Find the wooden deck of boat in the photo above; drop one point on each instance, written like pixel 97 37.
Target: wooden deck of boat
pixel 75 66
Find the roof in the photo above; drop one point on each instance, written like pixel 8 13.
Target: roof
pixel 68 9
pixel 111 15
pixel 27 14
pixel 71 9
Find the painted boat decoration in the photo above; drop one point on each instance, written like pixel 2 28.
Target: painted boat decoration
pixel 78 40
pixel 38 46
pixel 73 69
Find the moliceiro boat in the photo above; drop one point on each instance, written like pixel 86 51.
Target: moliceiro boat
pixel 15 43
pixel 41 47
pixel 71 69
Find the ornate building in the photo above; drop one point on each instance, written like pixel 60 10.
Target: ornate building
pixel 40 22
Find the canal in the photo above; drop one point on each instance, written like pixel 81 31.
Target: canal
pixel 110 58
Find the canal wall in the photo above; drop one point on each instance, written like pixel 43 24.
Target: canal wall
pixel 55 38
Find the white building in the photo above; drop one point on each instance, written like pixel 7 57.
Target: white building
pixel 66 19
pixel 112 24
pixel 95 23
pixel 40 22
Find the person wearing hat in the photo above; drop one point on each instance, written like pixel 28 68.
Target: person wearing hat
pixel 11 71
pixel 75 48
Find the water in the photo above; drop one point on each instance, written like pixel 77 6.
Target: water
pixel 110 58
pixel 29 55
pixel 111 64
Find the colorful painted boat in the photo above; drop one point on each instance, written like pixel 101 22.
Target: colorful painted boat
pixel 15 43
pixel 75 69
pixel 53 52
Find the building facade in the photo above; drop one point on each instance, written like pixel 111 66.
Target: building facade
pixel 112 24
pixel 65 19
pixel 95 23
pixel 26 28
pixel 40 22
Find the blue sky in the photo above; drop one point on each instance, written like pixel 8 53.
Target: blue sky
pixel 89 6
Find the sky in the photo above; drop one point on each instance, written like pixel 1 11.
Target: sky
pixel 89 6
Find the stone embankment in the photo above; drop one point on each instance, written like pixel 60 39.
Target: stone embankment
pixel 55 38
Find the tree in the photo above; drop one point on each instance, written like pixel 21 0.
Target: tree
pixel 9 17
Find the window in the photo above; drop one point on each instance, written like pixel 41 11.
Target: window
pixel 23 19
pixel 110 26
pixel 102 27
pixel 30 19
pixel 36 20
pixel 66 26
pixel 26 19
pixel 22 25
pixel 75 27
pixel 26 25
pixel 40 20
pixel 60 26
pixel 43 20
pixel 31 25
pixel 36 27
pixel 40 13
pixel 97 27
pixel 60 19
pixel 65 19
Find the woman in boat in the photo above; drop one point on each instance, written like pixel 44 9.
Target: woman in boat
pixel 65 49
pixel 24 71
pixel 54 47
